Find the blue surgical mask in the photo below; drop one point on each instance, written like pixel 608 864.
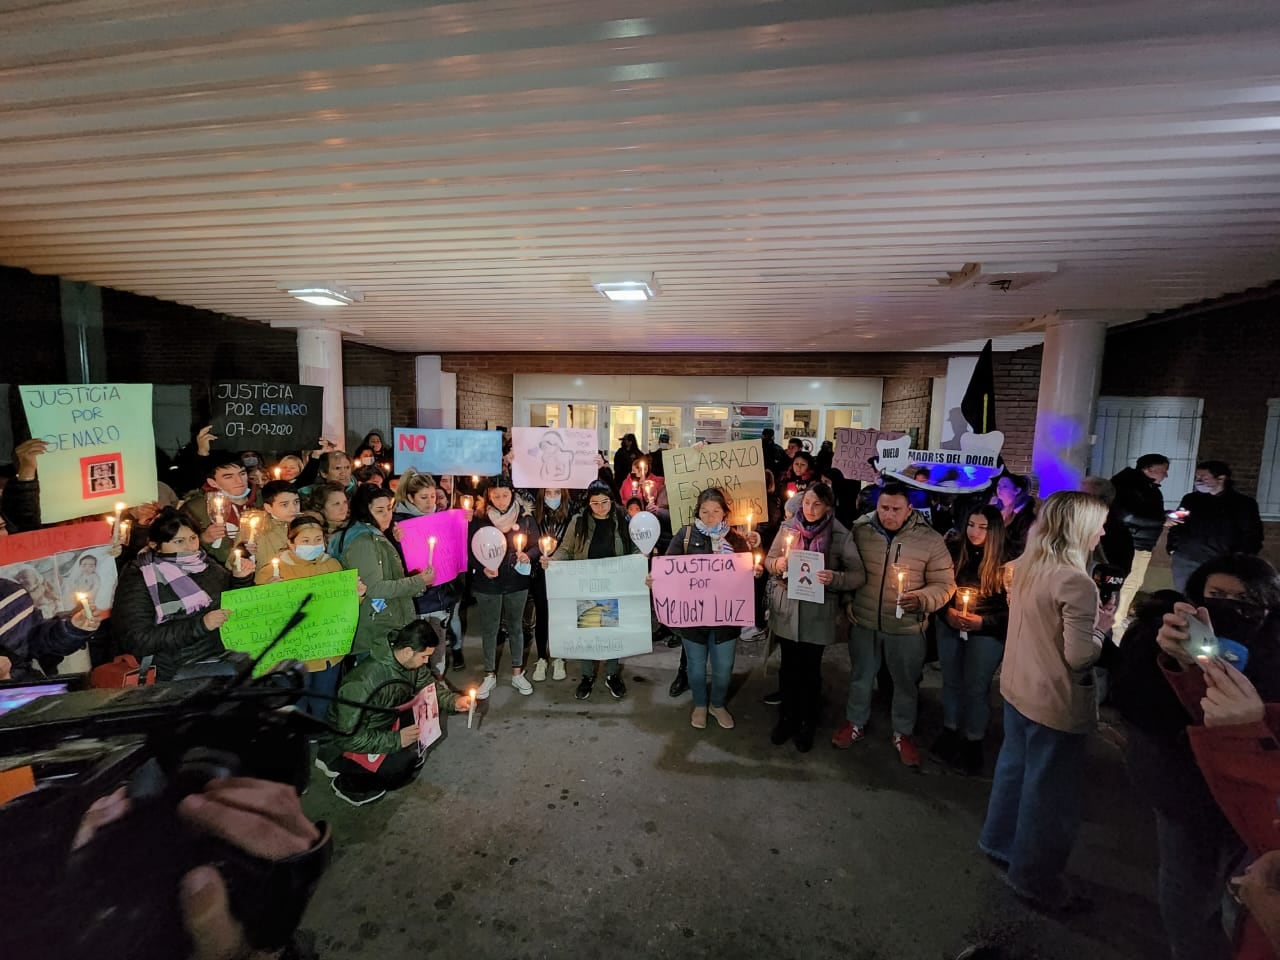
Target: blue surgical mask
pixel 552 502
pixel 310 551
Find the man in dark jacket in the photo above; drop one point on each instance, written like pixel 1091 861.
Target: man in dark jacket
pixel 27 637
pixel 1140 507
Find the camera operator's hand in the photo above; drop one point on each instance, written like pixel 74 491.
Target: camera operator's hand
pixel 214 619
pixel 408 736
pixel 1173 632
pixel 261 817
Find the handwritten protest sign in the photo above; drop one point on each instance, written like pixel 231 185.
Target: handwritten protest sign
pixel 705 590
pixel 102 446
pixel 855 447
pixel 802 576
pixel 737 467
pixel 599 609
pixel 457 452
pixel 973 467
pixel 449 556
pixel 550 457
pixel 266 416
pixel 259 613
pixel 426 714
pixel 58 564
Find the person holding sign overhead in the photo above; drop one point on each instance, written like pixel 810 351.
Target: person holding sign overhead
pixel 596 533
pixel 502 589
pixel 166 602
pixel 710 533
pixel 804 630
pixel 363 545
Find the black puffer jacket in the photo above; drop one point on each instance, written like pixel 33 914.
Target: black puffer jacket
pixel 1217 525
pixel 993 609
pixel 689 540
pixel 1140 506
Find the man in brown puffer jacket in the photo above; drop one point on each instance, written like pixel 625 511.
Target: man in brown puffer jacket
pixel 909 576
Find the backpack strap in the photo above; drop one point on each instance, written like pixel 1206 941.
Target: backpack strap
pixel 688 535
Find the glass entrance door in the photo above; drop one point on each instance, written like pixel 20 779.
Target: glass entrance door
pixel 662 419
pixel 624 419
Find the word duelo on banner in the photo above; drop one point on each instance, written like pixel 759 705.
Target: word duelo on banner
pixel 973 467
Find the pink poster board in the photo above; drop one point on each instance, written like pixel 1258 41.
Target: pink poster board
pixel 705 590
pixel 449 557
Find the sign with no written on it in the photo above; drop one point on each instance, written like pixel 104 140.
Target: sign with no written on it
pixel 448 452
pixel 737 468
pixel 101 446
pixel 266 416
pixel 259 613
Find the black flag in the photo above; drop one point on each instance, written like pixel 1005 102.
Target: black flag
pixel 979 403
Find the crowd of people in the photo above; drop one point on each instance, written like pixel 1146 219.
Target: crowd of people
pixel 1045 592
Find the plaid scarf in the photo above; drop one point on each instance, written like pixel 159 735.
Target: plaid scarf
pixel 176 575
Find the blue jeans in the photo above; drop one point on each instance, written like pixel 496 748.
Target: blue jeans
pixel 967 669
pixel 1034 811
pixel 610 667
pixel 1195 862
pixel 721 657
pixel 323 683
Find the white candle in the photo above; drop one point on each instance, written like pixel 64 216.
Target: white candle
pixel 84 602
pixel 115 529
pixel 217 509
pixel 235 564
pixel 277 472
pixel 471 706
pixel 520 542
pixel 431 552
pixel 275 568
pixel 548 546
pixel 964 600
pixel 123 528
pixel 466 504
pixel 750 517
pixel 119 510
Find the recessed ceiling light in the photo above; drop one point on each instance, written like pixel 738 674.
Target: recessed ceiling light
pixel 323 294
pixel 626 289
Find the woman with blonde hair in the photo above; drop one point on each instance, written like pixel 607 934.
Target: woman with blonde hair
pixel 1056 630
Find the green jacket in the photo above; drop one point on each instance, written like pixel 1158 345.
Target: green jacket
pixel 360 547
pixel 379 681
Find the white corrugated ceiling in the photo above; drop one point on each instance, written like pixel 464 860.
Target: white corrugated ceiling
pixel 797 173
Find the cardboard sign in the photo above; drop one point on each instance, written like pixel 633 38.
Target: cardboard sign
pixel 854 448
pixel 599 609
pixel 426 714
pixel 705 590
pixel 449 557
pixel 259 415
pixel 974 467
pixel 802 576
pixel 456 452
pixel 102 447
pixel 551 457
pixel 259 613
pixel 737 467
pixel 56 564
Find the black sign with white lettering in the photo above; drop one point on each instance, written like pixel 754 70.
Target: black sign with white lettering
pixel 269 417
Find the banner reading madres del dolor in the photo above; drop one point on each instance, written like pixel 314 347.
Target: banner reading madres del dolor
pixel 737 468
pixel 101 446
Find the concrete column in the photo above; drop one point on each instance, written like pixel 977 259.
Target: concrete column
pixel 320 365
pixel 429 387
pixel 82 338
pixel 1070 377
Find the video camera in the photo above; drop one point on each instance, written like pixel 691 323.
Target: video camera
pixel 116 896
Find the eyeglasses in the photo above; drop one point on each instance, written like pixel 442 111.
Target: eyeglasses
pixel 600 503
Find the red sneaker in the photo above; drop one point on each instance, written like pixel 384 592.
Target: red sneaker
pixel 847 736
pixel 907 751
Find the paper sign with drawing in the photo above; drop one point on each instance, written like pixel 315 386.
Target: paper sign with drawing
pixel 552 457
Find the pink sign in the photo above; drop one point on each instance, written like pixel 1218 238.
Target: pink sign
pixel 854 448
pixel 705 590
pixel 449 555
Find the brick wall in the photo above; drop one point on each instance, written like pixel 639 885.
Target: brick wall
pixel 905 405
pixel 703 364
pixel 1017 378
pixel 483 397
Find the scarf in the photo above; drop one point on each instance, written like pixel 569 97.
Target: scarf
pixel 230 507
pixel 174 573
pixel 719 535
pixel 814 536
pixel 505 521
pixel 410 509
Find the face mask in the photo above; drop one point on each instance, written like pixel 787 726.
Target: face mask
pixel 237 497
pixel 310 551
pixel 1236 620
pixel 1206 488
pixel 552 502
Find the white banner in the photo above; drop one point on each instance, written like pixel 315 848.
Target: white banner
pixel 551 457
pixel 599 609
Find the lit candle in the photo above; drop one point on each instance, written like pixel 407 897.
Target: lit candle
pixel 471 706
pixel 276 471
pixel 898 611
pixel 386 467
pixel 431 552
pixel 275 568
pixel 520 538
pixel 119 510
pixel 790 537
pixel 217 509
pixel 964 600
pixel 791 490
pixel 757 556
pixel 253 529
pixel 475 481
pixel 235 564
pixel 84 602
pixel 902 575
pixel 115 529
pixel 123 527
pixel 548 546
pixel 466 504
pixel 648 490
pixel 750 518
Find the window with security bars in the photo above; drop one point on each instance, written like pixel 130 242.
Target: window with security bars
pixel 1269 473
pixel 367 408
pixel 1128 427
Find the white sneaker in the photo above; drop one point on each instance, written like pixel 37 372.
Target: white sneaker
pixel 557 669
pixel 540 671
pixel 487 687
pixel 521 684
pixel 751 633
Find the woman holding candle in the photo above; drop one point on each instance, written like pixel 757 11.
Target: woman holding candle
pixel 364 545
pixel 971 634
pixel 642 485
pixel 501 594
pixel 710 533
pixel 288 468
pixel 802 629
pixel 1056 630
pixel 166 602
pixel 416 497
pixel 595 533
pixel 551 512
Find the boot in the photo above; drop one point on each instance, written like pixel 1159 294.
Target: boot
pixel 782 730
pixel 805 731
pixel 458 662
pixel 680 684
pixel 969 760
pixel 946 748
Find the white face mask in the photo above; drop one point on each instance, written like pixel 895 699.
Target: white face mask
pixel 1206 488
pixel 310 551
